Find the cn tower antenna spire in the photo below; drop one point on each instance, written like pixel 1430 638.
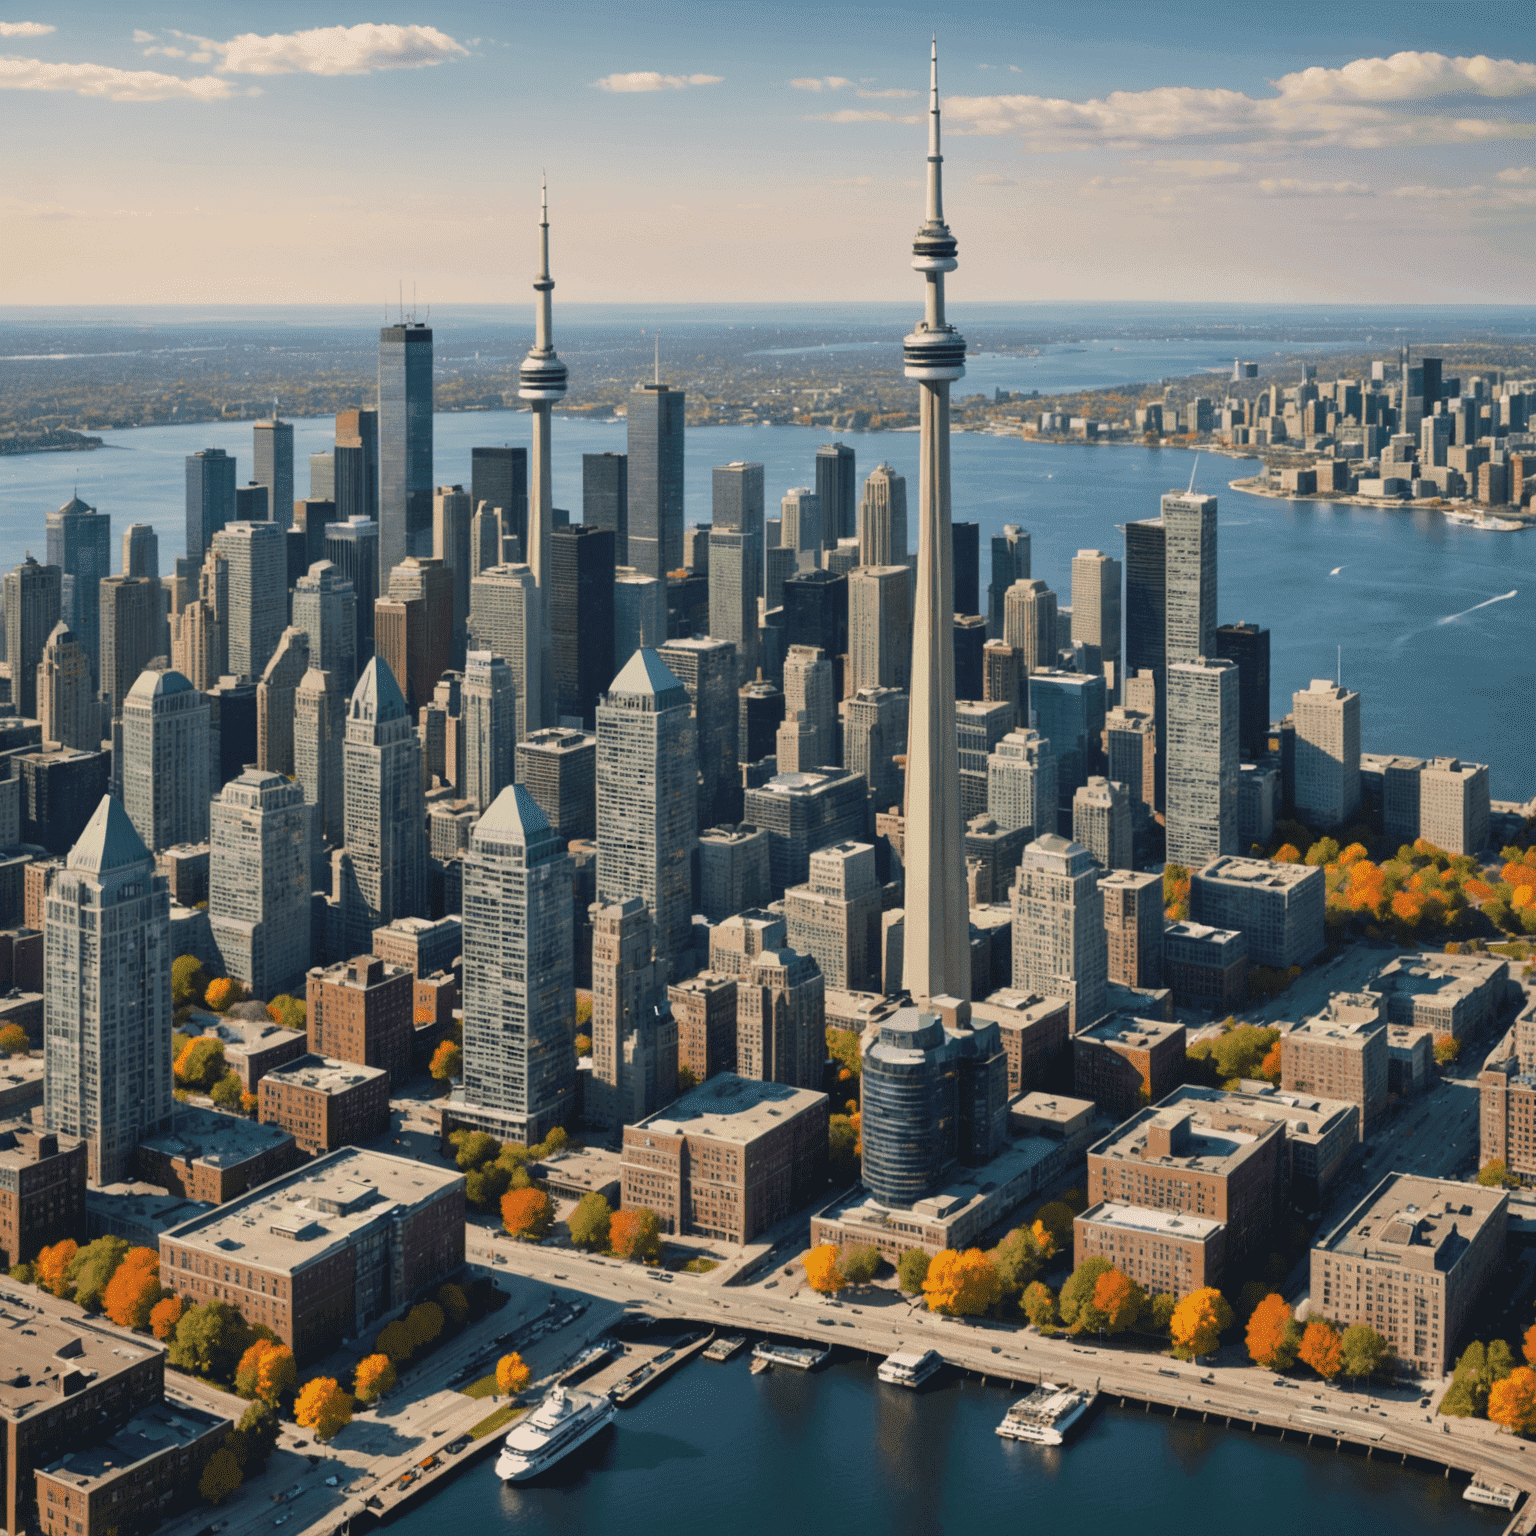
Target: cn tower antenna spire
pixel 935 159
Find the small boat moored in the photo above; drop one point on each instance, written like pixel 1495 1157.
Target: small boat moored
pixel 798 1358
pixel 1048 1414
pixel 909 1368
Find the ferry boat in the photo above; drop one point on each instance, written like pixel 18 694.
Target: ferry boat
pixel 789 1354
pixel 908 1369
pixel 1048 1414
pixel 1498 1495
pixel 563 1421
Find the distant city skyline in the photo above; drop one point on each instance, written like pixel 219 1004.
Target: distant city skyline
pixel 1276 137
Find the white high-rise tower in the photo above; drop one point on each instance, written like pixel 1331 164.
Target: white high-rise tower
pixel 937 950
pixel 541 381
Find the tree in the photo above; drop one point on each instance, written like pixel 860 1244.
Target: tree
pixel 394 1340
pixel 210 1339
pixel 526 1213
pixel 1160 1311
pixel 323 1407
pixel 1198 1322
pixel 583 1009
pixel 484 1186
pixel 93 1267
pixel 289 1012
pixel 164 1316
pixel 1273 1336
pixel 860 1263
pixel 455 1304
pixel 53 1266
pixel 201 1063
pixel 583 1046
pixel 590 1221
pixel 1117 1301
pixel 1363 1351
pixel 474 1149
pixel 259 1428
pixel 686 1078
pixel 842 1149
pixel 1078 1291
pixel 374 1377
pixel 223 993
pixel 636 1234
pixel 1528 1345
pixel 511 1375
pixel 912 1270
pixel 228 1091
pixel 220 1477
pixel 134 1290
pixel 1038 1304
pixel 189 982
pixel 14 1040
pixel 1176 891
pixel 1479 1369
pixel 1270 1067
pixel 424 1323
pixel 1320 1348
pixel 1447 1049
pixel 1495 1174
pixel 962 1284
pixel 1018 1259
pixel 822 1271
pixel 1056 1216
pixel 447 1062
pixel 1512 1402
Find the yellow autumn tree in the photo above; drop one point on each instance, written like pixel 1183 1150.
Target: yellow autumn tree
pixel 323 1407
pixel 53 1266
pixel 962 1284
pixel 222 993
pixel 1512 1402
pixel 374 1377
pixel 511 1374
pixel 822 1271
pixel 1198 1322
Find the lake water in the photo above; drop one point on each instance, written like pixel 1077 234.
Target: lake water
pixel 1439 674
pixel 716 1449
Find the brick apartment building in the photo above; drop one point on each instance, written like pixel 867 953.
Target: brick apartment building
pixel 42 1189
pixel 704 1008
pixel 363 1010
pixel 1035 1033
pixel 215 1157
pixel 1341 1053
pixel 1124 1064
pixel 325 1104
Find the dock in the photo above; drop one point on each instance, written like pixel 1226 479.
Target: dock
pixel 726 1346
pixel 636 1383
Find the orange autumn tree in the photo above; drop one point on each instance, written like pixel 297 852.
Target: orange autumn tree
pixel 1118 1301
pixel 266 1370
pixel 222 993
pixel 962 1284
pixel 134 1289
pixel 1321 1348
pixel 1512 1402
pixel 1272 1334
pixel 447 1062
pixel 1528 1346
pixel 53 1266
pixel 1270 1066
pixel 323 1407
pixel 374 1376
pixel 526 1213
pixel 164 1316
pixel 1198 1322
pixel 512 1375
pixel 822 1271
pixel 636 1234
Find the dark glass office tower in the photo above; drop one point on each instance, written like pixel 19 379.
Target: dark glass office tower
pixel 1248 646
pixel 210 499
pixel 1146 624
pixel 500 476
pixel 965 542
pixel 357 465
pixel 605 498
pixel 353 548
pixel 970 642
pixel 274 468
pixel 835 484
pixel 80 544
pixel 816 612
pixel 581 624
pixel 405 445
pixel 655 543
pixel 1010 563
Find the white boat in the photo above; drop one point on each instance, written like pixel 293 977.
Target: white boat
pixel 789 1354
pixel 563 1421
pixel 1498 1495
pixel 1048 1414
pixel 908 1369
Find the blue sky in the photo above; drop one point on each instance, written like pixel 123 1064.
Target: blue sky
pixel 285 153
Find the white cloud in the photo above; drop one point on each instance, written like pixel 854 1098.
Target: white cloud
pixel 141 36
pixel 26 28
pixel 1411 77
pixel 1474 196
pixel 1198 170
pixel 822 83
pixel 895 93
pixel 1437 194
pixel 1287 186
pixel 338 50
pixel 993 179
pixel 855 115
pixel 1518 173
pixel 108 84
pixel 649 80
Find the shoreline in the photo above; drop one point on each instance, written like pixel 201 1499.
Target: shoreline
pixel 1494 515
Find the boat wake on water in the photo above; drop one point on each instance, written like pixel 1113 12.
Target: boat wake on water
pixel 1503 597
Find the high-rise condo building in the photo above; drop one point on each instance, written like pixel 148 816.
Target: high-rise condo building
pixel 605 498
pixel 503 619
pixel 167 760
pixel 1130 754
pixel 353 548
pixel 1068 709
pixel 80 544
pixel 1453 805
pixel 1327 754
pixel 32 611
pixel 276 696
pixel 736 558
pixel 1133 926
pixel 734 871
pixel 836 485
pixel 1096 609
pixel 1010 563
pixel 1021 783
pixel 707 668
pixel 1059 946
pixel 128 634
pixel 257 556
pixel 639 614
pixel 883 518
pixel 107 995
pixel 816 613
pixel 647 799
pixel 319 730
pixel 1146 629
pixel 809 689
pixel 325 608
pixel 274 467
pixel 582 623
pixel 405 444
pixel 835 916
pixel 1002 677
pixel 210 499
pixel 258 881
pixel 875 723
pixel 1101 823
pixel 490 728
pixel 559 769
pixel 1029 626
pixel 427 583
pixel 655 536
pixel 1202 761
pixel 66 702
pixel 965 539
pixel 626 988
pixel 357 469
pixel 451 516
pixel 498 477
pixel 879 627
pixel 800 526
pixel 141 558
pixel 979 728
pixel 1248 646
pixel 1189 533
pixel 519 962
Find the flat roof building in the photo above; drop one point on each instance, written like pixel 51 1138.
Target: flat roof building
pixel 1124 1063
pixel 1341 1053
pixel 325 1104
pixel 1206 967
pixel 1279 907
pixel 1171 1252
pixel 1035 1032
pixel 42 1189
pixel 214 1157
pixel 1450 994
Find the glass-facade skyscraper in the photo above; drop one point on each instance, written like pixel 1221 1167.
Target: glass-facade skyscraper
pixel 405 445
pixel 655 544
pixel 210 499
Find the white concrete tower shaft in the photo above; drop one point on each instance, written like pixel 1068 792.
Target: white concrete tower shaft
pixel 937 940
pixel 541 381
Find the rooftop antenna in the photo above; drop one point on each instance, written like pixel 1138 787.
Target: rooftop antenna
pixel 402 301
pixel 1192 474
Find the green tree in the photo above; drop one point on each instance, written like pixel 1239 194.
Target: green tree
pixel 209 1341
pixel 912 1270
pixel 1365 1351
pixel 589 1222
pixel 1077 1293
pixel 475 1149
pixel 424 1322
pixel 201 1064
pixel 189 981
pixel 93 1267
pixel 1160 1311
pixel 842 1149
pixel 1038 1304
pixel 1476 1371
pixel 686 1079
pixel 1056 1217
pixel 843 1048
pixel 289 1012
pixel 228 1091
pixel 1495 1174
pixel 259 1429
pixel 220 1477
pixel 484 1186
pixel 860 1263
pixel 1018 1260
pixel 455 1304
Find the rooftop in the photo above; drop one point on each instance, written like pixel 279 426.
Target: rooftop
pixel 324 1075
pixel 1057 1108
pixel 109 840
pixel 1347 1017
pixel 1015 1009
pixel 291 1222
pixel 242 1034
pixel 1141 1034
pixel 47 1358
pixel 141 1206
pixel 1203 1137
pixel 1257 872
pixel 1137 1218
pixel 1414 1221
pixel 22 1143
pixel 150 1432
pixel 213 1139
pixel 731 1108
pixel 1305 1116
pixel 1203 934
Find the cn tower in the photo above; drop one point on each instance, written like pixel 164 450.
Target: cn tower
pixel 937 952
pixel 541 381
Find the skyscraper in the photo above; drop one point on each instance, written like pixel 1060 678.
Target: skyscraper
pixel 127 631
pixel 80 544
pixel 322 476
pixel 274 467
pixel 1029 626
pixel 276 697
pixel 385 811
pixel 1189 531
pixel 559 769
pixel 167 760
pixel 1096 609
pixel 258 569
pixel 707 669
pixel 1021 783
pixel 647 799
pixel 490 728
pixel 451 518
pixel 582 569
pixel 66 702
pixel 1248 646
pixel 809 690
pixel 883 518
pixel 605 498
pixel 319 730
pixel 879 627
pixel 1101 822
pixel 353 548
pixel 1146 598
pixel 357 468
pixel 1059 945
pixel 405 444
pixel 836 485
pixel 32 610
pixel 503 619
pixel 736 558
pixel 325 608
pixel 1327 754
pixel 253 503
pixel 428 583
pixel 639 614
pixel 258 881
pixel 874 734
pixel 519 965
pixel 107 995
pixel 499 478
pixel 1202 771
pixel 141 559
pixel 965 542
pixel 937 949
pixel 210 499
pixel 625 987
pixel 655 541
pixel 1010 563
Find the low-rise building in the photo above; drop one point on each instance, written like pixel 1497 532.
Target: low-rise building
pixel 729 1158
pixel 575 1172
pixel 21 1082
pixel 1206 967
pixel 252 1047
pixel 1053 1116
pixel 318 1255
pixel 1410 1059
pixel 1123 1064
pixel 1411 1261
pixel 214 1157
pixel 420 945
pixel 136 1212
pixel 1341 1053
pixel 1278 907
pixel 1035 1036
pixel 325 1104
pixel 1507 1112
pixel 1447 994
pixel 1169 1252
pixel 42 1189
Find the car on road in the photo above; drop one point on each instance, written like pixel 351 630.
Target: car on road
pixel 826 1322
